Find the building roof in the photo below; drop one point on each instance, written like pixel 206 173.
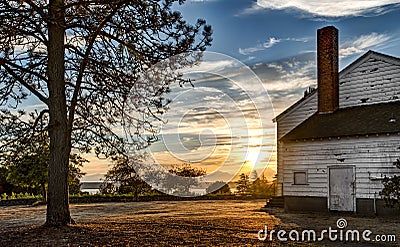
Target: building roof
pixel 90 185
pixel 360 120
pixel 348 69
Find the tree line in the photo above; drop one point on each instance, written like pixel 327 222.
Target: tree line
pixel 122 178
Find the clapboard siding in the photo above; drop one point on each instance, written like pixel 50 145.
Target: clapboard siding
pixel 372 158
pixel 279 167
pixel 297 115
pixel 372 82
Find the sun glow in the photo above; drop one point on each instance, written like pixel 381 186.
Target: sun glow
pixel 252 157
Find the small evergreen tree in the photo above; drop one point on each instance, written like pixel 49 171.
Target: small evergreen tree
pixel 260 186
pixel 253 175
pixel 243 185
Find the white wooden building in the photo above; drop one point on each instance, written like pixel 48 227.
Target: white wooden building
pixel 337 143
pixel 92 188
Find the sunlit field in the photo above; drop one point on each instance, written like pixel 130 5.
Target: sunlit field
pixel 187 223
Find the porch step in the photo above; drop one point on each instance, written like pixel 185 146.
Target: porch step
pixel 274 202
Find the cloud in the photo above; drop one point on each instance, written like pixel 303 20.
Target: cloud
pixel 249 50
pixel 287 79
pixel 210 66
pixel 255 8
pixel 294 76
pixel 362 43
pixel 270 43
pixel 326 8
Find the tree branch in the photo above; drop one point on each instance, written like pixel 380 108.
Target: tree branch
pixel 26 85
pixel 40 116
pixel 85 61
pixel 27 71
pixel 37 9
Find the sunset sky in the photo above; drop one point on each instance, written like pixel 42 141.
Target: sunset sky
pixel 225 121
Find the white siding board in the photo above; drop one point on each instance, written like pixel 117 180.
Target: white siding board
pixel 371 156
pixel 297 115
pixel 279 168
pixel 377 81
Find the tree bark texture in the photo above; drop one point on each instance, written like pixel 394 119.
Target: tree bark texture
pixel 58 213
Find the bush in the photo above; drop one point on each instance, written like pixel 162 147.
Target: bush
pixel 14 196
pixel 391 190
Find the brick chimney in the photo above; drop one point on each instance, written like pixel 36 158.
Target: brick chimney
pixel 328 69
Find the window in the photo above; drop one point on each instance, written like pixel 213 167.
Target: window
pixel 300 177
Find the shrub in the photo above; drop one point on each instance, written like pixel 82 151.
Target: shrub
pixel 391 190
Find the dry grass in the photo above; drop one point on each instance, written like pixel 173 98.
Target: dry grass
pixel 188 223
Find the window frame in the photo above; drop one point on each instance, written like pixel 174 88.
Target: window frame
pixel 305 177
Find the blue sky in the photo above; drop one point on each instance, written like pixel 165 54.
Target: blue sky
pixel 276 39
pixel 278 32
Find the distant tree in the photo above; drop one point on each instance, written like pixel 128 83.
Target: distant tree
pixel 108 188
pixel 187 170
pixel 26 162
pixel 391 190
pixel 123 173
pixel 243 184
pixel 218 187
pixel 253 175
pixel 186 176
pixel 29 172
pixel 260 186
pixel 81 59
pixel 74 173
pixel 5 186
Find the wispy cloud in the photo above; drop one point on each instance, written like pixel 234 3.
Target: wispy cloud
pixel 293 76
pixel 214 66
pixel 362 44
pixel 272 41
pixel 287 79
pixel 255 8
pixel 326 8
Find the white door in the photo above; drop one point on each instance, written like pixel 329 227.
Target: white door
pixel 341 188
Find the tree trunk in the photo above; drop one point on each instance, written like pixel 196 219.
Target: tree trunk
pixel 57 199
pixel 44 192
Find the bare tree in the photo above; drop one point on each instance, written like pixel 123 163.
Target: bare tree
pixel 82 59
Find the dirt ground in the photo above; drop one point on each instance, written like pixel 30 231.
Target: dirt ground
pixel 185 223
